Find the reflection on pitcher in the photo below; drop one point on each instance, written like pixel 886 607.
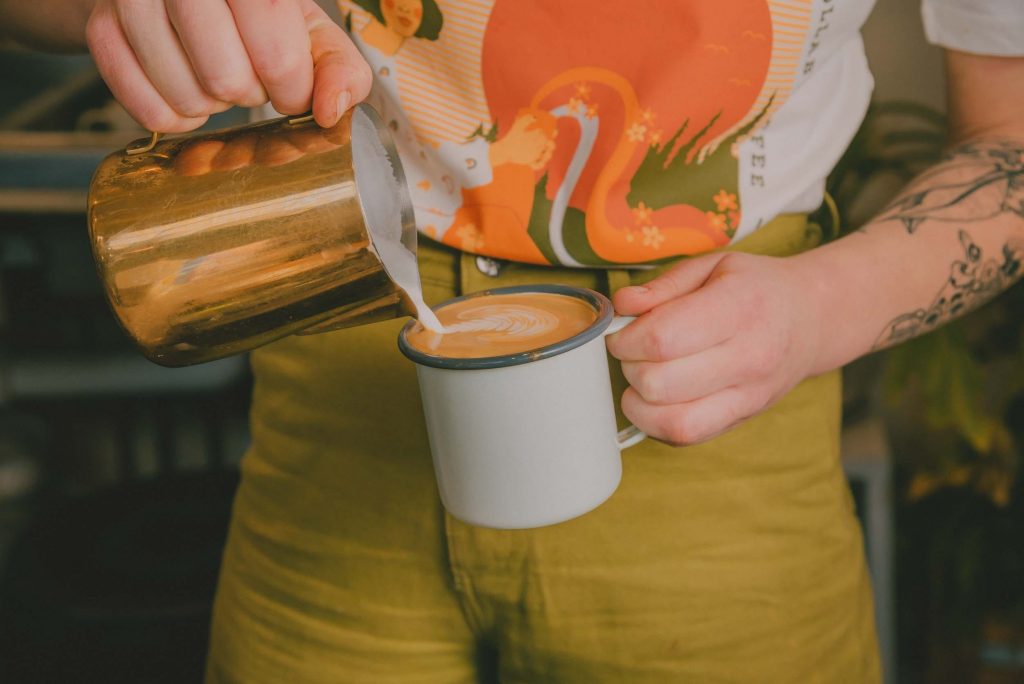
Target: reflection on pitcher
pixel 217 243
pixel 260 147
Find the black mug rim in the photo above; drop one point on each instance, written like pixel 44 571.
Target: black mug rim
pixel 601 305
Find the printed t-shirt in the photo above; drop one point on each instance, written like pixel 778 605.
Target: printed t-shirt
pixel 594 134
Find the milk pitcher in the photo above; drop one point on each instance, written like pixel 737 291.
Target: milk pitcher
pixel 215 243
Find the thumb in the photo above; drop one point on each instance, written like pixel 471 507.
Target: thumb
pixel 341 76
pixel 683 278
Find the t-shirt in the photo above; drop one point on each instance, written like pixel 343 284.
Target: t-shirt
pixel 587 133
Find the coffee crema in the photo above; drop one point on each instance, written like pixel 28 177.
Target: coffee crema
pixel 500 324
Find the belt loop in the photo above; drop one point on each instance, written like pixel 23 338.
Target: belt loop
pixel 827 212
pixel 466 265
pixel 616 279
pixel 833 212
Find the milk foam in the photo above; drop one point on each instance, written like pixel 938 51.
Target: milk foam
pixel 492 325
pixel 377 183
pixel 513 320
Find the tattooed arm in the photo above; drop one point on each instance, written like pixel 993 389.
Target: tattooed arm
pixel 721 337
pixel 952 240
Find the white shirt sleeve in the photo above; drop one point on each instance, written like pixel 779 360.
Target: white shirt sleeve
pixel 981 27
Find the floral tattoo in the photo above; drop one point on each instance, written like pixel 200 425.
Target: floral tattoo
pixel 972 281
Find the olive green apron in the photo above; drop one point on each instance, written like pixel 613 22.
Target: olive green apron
pixel 737 560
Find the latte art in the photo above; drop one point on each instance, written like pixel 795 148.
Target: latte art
pixel 516 320
pixel 495 325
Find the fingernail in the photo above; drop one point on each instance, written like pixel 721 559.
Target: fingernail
pixel 637 289
pixel 344 98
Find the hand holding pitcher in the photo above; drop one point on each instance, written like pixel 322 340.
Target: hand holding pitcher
pixel 173 63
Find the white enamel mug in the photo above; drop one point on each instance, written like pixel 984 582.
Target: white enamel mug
pixel 527 439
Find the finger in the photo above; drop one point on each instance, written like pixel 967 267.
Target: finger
pixel 120 68
pixel 696 421
pixel 148 29
pixel 210 39
pixel 681 327
pixel 681 279
pixel 342 77
pixel 275 36
pixel 685 379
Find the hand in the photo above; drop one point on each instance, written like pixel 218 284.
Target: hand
pixel 719 338
pixel 173 63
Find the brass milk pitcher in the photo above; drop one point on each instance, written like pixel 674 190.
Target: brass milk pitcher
pixel 215 243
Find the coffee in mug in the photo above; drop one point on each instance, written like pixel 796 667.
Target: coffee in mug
pixel 497 324
pixel 518 404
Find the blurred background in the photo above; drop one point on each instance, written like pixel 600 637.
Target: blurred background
pixel 116 475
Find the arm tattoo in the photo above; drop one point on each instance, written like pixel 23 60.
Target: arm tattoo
pixel 972 281
pixel 976 181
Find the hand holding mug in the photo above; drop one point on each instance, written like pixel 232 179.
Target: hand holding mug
pixel 173 63
pixel 719 338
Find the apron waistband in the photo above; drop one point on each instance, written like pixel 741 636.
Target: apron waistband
pixel 785 235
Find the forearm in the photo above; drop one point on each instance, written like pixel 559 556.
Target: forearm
pixel 950 242
pixel 54 25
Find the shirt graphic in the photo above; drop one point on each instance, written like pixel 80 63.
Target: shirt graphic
pixel 594 134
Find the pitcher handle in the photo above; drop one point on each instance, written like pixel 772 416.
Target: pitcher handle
pixel 142 149
pixel 154 137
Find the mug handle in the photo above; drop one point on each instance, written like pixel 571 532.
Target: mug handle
pixel 630 435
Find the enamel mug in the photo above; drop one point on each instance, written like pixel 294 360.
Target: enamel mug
pixel 528 439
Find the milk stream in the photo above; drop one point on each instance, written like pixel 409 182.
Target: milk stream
pixel 377 184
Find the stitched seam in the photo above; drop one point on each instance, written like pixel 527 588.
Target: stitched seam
pixel 462 584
